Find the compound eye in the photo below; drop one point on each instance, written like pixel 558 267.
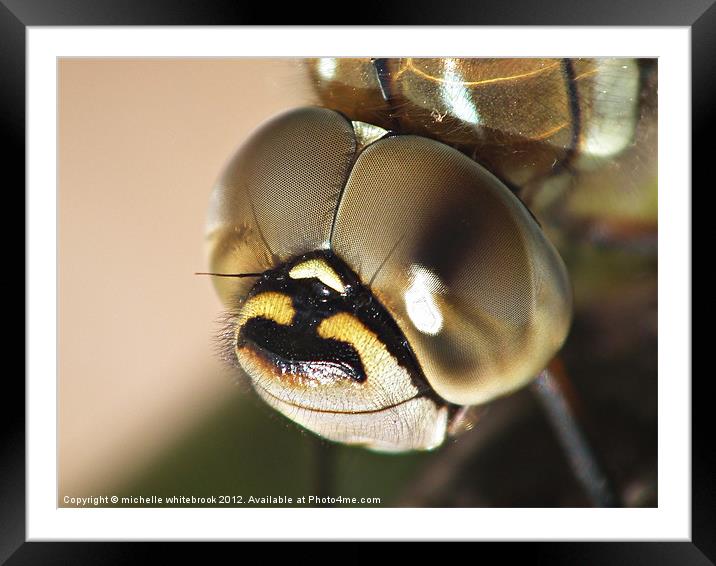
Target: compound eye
pixel 276 197
pixel 480 293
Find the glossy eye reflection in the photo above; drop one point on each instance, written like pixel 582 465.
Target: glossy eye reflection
pixel 401 280
pixel 420 302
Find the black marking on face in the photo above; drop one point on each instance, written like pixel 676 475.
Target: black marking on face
pixel 293 350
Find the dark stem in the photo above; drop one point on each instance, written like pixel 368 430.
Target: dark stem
pixel 324 462
pixel 560 407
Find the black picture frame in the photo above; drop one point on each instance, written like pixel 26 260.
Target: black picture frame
pixel 17 15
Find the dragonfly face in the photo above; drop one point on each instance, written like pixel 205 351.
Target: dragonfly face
pixel 399 278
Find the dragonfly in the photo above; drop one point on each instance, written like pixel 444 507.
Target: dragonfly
pixel 393 259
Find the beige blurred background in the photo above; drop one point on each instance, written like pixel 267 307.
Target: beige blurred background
pixel 141 142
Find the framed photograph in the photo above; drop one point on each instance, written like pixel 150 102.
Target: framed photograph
pixel 432 281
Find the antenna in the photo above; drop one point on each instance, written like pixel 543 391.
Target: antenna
pixel 231 274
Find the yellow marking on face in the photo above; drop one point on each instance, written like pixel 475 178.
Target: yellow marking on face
pixel 271 305
pixel 376 359
pixel 318 269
